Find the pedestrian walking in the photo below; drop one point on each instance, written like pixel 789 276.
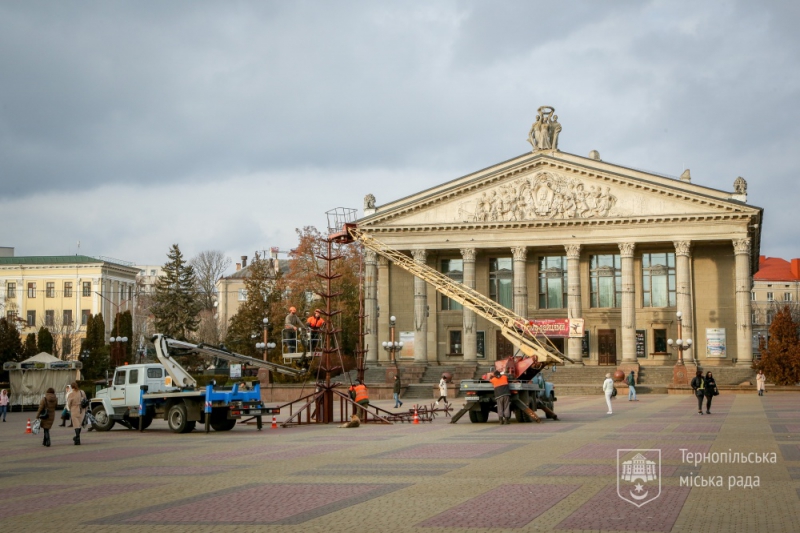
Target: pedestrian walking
pixel 396 391
pixel 442 391
pixel 48 403
pixel 761 383
pixel 65 412
pixel 77 410
pixel 711 391
pixel 502 395
pixel 608 390
pixel 698 386
pixel 4 403
pixel 632 387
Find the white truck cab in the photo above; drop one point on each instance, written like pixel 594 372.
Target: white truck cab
pixel 116 401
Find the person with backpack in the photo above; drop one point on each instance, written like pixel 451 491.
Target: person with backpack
pixel 699 387
pixel 78 403
pixel 631 381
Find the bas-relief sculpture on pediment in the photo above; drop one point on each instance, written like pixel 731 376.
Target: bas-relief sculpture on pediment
pixel 547 195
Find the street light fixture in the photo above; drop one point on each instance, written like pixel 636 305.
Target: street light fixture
pixel 392 346
pixel 116 348
pixel 680 344
pixel 265 346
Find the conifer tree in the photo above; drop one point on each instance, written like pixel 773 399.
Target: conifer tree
pixel 176 304
pixel 125 321
pixel 248 321
pixel 45 340
pixel 30 348
pixel 10 342
pixel 780 357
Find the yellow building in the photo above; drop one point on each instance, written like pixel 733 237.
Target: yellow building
pixel 60 292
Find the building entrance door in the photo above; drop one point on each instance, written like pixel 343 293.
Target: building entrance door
pixel 504 348
pixel 607 346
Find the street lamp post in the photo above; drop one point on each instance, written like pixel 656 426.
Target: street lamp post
pixel 392 346
pixel 680 344
pixel 117 347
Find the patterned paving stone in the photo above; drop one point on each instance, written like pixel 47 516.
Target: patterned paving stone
pixel 644 428
pixel 794 472
pixel 150 471
pixel 790 452
pixel 532 429
pixel 520 505
pixel 697 428
pixel 592 470
pixel 598 451
pixel 28 490
pixel 661 437
pixel 298 452
pixel 109 454
pixel 57 499
pixel 441 451
pixel 606 511
pixel 279 503
pixel 382 469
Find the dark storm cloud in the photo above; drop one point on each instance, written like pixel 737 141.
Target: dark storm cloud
pixel 251 118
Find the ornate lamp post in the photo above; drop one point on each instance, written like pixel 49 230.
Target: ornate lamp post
pixel 392 346
pixel 117 348
pixel 265 346
pixel 680 344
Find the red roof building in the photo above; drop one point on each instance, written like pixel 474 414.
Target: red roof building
pixel 777 283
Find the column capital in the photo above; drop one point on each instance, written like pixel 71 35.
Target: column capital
pixel 683 247
pixel 573 251
pixel 370 257
pixel 468 254
pixel 419 255
pixel 520 253
pixel 382 261
pixel 626 249
pixel 741 246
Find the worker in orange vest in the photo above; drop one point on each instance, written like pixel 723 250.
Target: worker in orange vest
pixel 360 394
pixel 502 395
pixel 315 324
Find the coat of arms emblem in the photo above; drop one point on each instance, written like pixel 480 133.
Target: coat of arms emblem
pixel 638 476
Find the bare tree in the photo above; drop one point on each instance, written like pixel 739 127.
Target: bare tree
pixel 209 265
pixel 66 333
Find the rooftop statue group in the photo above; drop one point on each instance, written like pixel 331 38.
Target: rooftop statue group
pixel 544 132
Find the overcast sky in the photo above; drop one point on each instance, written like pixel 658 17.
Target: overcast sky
pixel 129 126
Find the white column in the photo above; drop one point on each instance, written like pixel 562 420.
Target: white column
pixel 683 287
pixel 520 254
pixel 371 305
pixel 574 308
pixel 384 304
pixel 420 312
pixel 470 339
pixel 744 328
pixel 628 304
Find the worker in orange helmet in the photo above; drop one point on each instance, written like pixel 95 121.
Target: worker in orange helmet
pixel 502 395
pixel 359 394
pixel 315 323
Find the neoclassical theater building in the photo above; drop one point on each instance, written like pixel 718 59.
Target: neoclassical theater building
pixel 549 235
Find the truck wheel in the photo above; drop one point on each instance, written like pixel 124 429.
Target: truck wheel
pixel 521 416
pixel 176 418
pixel 479 417
pixel 146 421
pixel 103 422
pixel 549 405
pixel 223 425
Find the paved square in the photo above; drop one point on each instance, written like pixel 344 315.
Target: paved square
pixel 555 476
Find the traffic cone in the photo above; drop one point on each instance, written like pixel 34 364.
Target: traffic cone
pixel 274 422
pixel 28 429
pixel 416 416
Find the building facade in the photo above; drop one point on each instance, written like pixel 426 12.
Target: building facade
pixel 775 285
pixel 60 292
pixel 555 235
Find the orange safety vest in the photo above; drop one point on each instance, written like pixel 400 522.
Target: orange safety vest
pixel 315 323
pixel 361 393
pixel 500 386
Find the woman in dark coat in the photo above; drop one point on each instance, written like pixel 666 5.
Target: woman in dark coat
pixel 49 402
pixel 698 387
pixel 711 388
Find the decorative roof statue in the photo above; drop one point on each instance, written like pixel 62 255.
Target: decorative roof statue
pixel 740 185
pixel 369 201
pixel 544 132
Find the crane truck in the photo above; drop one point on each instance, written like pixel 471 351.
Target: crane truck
pixel 529 389
pixel 140 393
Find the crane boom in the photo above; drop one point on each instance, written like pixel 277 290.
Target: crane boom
pixel 512 326
pixel 165 346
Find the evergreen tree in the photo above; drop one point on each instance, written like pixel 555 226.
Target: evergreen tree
pixel 780 357
pixel 248 321
pixel 45 340
pixel 94 351
pixel 176 303
pixel 10 342
pixel 30 348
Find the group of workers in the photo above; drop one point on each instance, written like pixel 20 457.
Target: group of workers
pixel 314 324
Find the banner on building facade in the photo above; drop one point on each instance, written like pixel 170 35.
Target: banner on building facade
pixel 407 338
pixel 558 327
pixel 715 342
